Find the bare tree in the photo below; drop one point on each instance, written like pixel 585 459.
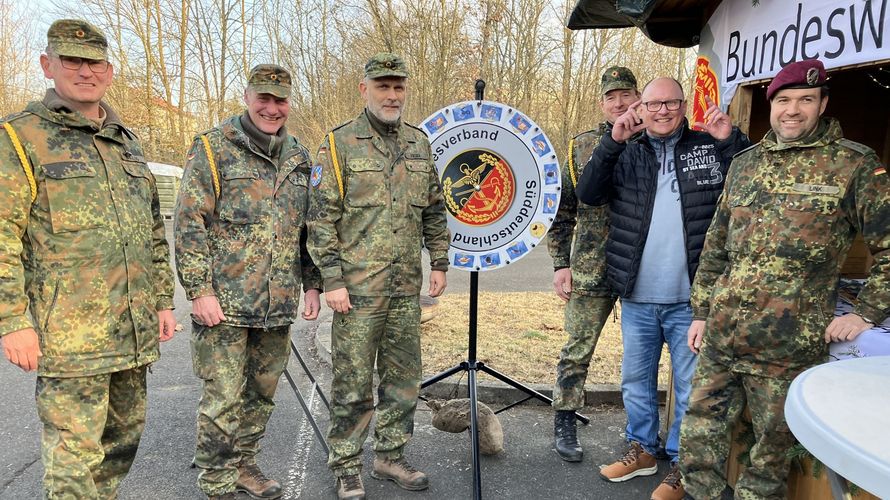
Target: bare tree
pixel 181 65
pixel 18 49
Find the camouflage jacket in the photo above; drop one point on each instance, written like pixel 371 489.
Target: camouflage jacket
pixel 87 263
pixel 247 246
pixel 577 237
pixel 369 241
pixel 771 259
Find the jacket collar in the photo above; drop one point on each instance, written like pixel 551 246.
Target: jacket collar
pixel 232 131
pixel 270 144
pixel 828 131
pixel 56 109
pixel 364 130
pixel 675 137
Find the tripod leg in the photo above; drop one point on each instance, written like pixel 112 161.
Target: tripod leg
pixel 442 376
pixel 306 410
pixel 309 375
pixel 528 390
pixel 474 435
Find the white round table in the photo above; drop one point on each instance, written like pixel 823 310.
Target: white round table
pixel 840 412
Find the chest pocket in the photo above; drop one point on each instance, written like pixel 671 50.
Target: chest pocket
pixel 741 207
pixel 298 164
pixel 418 182
pixel 239 199
pixel 140 176
pixel 366 183
pixel 139 184
pixel 812 203
pixel 76 195
pixel 300 176
pixel 295 190
pixel 807 224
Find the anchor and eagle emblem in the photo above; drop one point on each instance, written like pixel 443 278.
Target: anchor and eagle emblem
pixel 478 187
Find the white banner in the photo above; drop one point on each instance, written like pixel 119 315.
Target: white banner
pixel 747 40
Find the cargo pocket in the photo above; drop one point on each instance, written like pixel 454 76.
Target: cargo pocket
pixel 78 315
pixel 202 353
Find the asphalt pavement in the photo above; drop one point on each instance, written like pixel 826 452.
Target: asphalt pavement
pixel 528 468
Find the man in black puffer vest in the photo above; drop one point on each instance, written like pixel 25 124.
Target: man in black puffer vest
pixel 662 189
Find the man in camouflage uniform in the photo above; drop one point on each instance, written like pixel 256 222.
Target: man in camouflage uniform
pixel 375 201
pixel 764 294
pixel 241 257
pixel 577 245
pixel 86 289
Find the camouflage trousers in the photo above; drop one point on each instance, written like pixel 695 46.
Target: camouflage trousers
pixel 91 430
pixel 585 316
pixel 385 329
pixel 718 397
pixel 240 368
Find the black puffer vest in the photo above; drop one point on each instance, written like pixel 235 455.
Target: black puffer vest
pixel 625 177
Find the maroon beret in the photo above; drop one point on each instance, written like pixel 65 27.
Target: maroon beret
pixel 807 74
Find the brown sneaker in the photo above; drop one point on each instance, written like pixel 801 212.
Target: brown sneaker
pixel 252 481
pixel 350 487
pixel 401 473
pixel 636 462
pixel 670 487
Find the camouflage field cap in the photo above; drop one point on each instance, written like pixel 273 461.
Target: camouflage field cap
pixel 77 38
pixel 385 64
pixel 618 78
pixel 270 79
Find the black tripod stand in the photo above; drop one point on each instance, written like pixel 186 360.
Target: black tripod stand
pixel 471 366
pixel 315 388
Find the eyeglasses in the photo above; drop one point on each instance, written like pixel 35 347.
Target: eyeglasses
pixel 671 105
pixel 75 63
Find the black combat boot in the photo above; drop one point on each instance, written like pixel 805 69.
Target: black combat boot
pixel 566 436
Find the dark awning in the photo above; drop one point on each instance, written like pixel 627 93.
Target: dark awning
pixel 675 23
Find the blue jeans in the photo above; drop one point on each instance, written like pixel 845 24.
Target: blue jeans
pixel 644 329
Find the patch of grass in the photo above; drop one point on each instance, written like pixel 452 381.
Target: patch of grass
pixel 519 334
pixel 533 334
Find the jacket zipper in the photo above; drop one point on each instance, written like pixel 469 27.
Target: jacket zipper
pixel 644 226
pixel 683 214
